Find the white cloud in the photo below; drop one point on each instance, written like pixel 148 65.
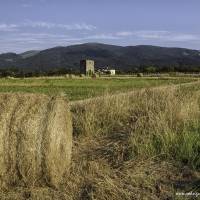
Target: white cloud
pixel 143 34
pixel 184 37
pixel 63 37
pixel 26 5
pixel 19 39
pixel 42 35
pixel 25 41
pixel 124 33
pixel 160 35
pixel 103 36
pixel 48 25
pixel 152 34
pixel 8 27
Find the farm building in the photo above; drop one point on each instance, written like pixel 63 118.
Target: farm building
pixel 112 71
pixel 107 70
pixel 87 67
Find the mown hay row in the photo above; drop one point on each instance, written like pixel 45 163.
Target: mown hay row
pixel 35 139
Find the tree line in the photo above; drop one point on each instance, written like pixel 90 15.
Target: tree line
pixel 20 73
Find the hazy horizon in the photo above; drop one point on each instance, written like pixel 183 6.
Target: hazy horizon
pixel 40 24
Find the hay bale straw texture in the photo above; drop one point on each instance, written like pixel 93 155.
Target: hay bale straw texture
pixel 35 140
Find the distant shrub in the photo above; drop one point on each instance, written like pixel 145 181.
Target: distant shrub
pixel 95 75
pixel 82 75
pixel 140 75
pixel 72 76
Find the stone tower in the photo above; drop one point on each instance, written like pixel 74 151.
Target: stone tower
pixel 87 67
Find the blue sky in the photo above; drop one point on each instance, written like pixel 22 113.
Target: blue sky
pixel 40 24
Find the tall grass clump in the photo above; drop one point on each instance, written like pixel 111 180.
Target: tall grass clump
pixel 100 116
pixel 162 121
pixel 166 123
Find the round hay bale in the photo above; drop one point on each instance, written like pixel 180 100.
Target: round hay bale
pixel 35 139
pixel 9 77
pixel 66 75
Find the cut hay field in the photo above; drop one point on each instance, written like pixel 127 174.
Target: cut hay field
pixel 78 89
pixel 139 145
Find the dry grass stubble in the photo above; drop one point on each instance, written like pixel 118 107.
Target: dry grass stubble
pixel 141 145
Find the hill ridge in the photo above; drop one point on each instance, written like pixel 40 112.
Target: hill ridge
pixel 123 58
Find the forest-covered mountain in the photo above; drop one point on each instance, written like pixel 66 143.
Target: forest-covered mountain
pixel 124 59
